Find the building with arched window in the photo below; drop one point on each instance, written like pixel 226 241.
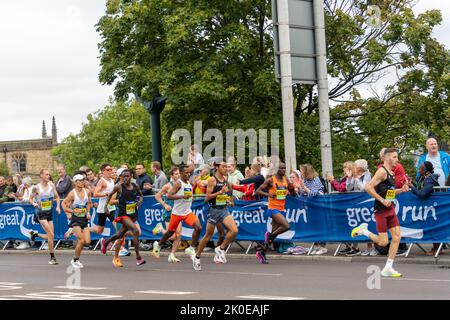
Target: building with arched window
pixel 28 157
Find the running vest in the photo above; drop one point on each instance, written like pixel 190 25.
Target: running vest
pixel 182 207
pixel 220 201
pixel 386 190
pixel 80 203
pixel 45 198
pixel 128 200
pixel 281 191
pixel 199 190
pixel 102 201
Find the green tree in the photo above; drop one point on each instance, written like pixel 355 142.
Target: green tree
pixel 116 134
pixel 4 169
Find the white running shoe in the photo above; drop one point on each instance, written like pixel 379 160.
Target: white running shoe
pixel 196 263
pixel 23 245
pixel 124 252
pixel 190 251
pixel 221 254
pixel 390 273
pixel 173 259
pixel 158 229
pixel 68 233
pixel 321 251
pixel 365 253
pixel 217 259
pixel 373 252
pixel 358 231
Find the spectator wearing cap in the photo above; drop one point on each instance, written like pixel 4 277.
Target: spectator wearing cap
pixel 234 175
pixel 201 181
pixel 160 177
pixel 361 176
pixel 143 179
pixel 25 190
pixel 425 186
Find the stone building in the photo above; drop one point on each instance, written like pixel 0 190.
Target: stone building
pixel 28 157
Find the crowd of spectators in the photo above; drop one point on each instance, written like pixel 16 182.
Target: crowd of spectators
pixel 432 171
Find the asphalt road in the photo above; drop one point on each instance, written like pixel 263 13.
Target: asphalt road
pixel 29 277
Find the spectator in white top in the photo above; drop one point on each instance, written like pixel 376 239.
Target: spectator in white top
pixel 234 175
pixel 360 177
pixel 25 190
pixel 195 157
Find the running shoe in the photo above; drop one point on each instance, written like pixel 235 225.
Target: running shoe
pixel 217 259
pixel 401 253
pixel 140 261
pixel 345 250
pixel 358 231
pixel 53 261
pixel 33 235
pixel 190 251
pixel 144 246
pixel 76 264
pixel 261 257
pixel 68 233
pixel 196 263
pixel 156 249
pixel 79 264
pixel 321 251
pixel 103 248
pixel 173 259
pixel 117 263
pixel 124 252
pixel 353 252
pixel 365 253
pixel 390 273
pixel 373 252
pixel 221 254
pixel 158 229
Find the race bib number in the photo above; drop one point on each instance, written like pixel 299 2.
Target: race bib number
pixel 281 193
pixel 188 192
pixel 131 208
pixel 390 195
pixel 221 200
pixel 46 205
pixel 81 211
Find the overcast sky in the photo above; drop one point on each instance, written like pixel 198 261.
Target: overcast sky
pixel 49 63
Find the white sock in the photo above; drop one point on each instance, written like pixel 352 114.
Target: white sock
pixel 366 233
pixel 389 263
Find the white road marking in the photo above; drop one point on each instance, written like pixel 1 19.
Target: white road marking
pixel 79 288
pixel 411 279
pixel 166 292
pixel 258 297
pixel 10 284
pixel 215 272
pixel 56 295
pixel 5 286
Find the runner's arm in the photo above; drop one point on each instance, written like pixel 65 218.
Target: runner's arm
pixel 379 177
pixel 266 185
pixel 66 205
pixel 209 190
pixel 172 192
pixel 57 199
pixel 161 193
pixel 98 188
pixel 116 189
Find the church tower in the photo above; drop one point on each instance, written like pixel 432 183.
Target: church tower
pixel 54 132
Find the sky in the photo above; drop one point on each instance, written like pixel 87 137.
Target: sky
pixel 49 63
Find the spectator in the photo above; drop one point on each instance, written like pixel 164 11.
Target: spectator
pixel 234 175
pixel 258 179
pixel 310 184
pixel 91 179
pixel 425 187
pixel 201 181
pixel 341 185
pixel 295 180
pixel 13 189
pixel 5 190
pixel 64 184
pixel 247 190
pixel 25 190
pixel 195 157
pixel 439 159
pixel 143 180
pixel 360 177
pixel 160 177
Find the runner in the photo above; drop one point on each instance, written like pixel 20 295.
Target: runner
pixel 382 188
pixel 130 199
pixel 181 194
pixel 77 207
pixel 278 187
pixel 168 205
pixel 218 193
pixel 42 198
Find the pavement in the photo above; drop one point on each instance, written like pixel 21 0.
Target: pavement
pixel 25 275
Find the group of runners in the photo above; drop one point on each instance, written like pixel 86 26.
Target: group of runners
pixel 176 197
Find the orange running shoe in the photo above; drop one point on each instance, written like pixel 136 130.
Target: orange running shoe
pixel 117 263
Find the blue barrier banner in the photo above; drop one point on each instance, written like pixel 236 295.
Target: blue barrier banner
pixel 328 218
